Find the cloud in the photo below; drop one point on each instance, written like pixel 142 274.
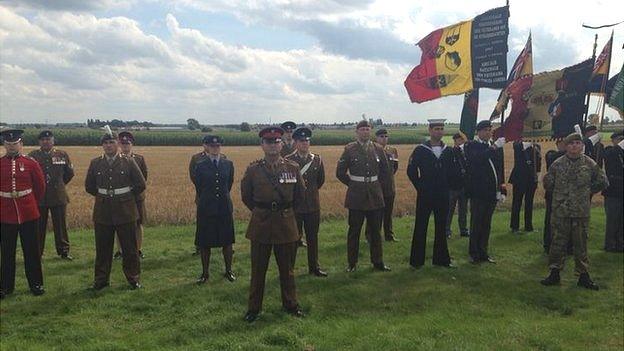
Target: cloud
pixel 69 5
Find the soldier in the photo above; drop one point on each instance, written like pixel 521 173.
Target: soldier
pixel 572 178
pixel 614 194
pixel 431 171
pixel 550 157
pixel 115 181
pixel 485 188
pixel 126 142
pixel 308 212
pixel 195 159
pixel 271 188
pixel 58 171
pixel 524 177
pixel 288 145
pixel 457 191
pixel 22 187
pixel 392 154
pixel 363 168
pixel 215 224
pixel 593 146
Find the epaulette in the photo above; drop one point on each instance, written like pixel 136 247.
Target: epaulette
pixel 291 162
pixel 351 144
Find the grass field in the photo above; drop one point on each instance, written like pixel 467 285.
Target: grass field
pixel 485 307
pixel 170 194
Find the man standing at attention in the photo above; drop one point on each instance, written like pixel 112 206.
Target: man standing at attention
pixel 572 179
pixel 58 172
pixel 524 177
pixel 363 168
pixel 392 154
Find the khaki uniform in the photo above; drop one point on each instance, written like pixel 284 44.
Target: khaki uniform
pixel 140 199
pixel 308 212
pixel 390 190
pixel 287 148
pixel 571 182
pixel 363 167
pixel 58 171
pixel 273 225
pixel 115 186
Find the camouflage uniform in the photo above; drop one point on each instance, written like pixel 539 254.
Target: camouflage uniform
pixel 571 182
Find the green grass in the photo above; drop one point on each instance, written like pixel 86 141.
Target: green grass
pixel 485 307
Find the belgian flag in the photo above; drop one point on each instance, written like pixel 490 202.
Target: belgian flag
pixel 462 57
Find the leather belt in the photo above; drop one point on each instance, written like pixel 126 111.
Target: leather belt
pixel 15 194
pixel 113 192
pixel 363 179
pixel 274 206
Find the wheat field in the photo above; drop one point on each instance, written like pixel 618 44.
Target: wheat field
pixel 170 194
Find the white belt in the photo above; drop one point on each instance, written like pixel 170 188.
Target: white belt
pixel 15 194
pixel 111 192
pixel 363 179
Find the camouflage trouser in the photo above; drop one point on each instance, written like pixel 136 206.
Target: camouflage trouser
pixel 565 229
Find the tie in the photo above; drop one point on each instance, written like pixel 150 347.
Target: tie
pixel 215 163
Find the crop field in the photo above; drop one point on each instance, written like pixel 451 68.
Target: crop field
pixel 170 194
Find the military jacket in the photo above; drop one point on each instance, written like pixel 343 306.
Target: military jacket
pixel 140 161
pixel 58 171
pixel 313 177
pixel 393 164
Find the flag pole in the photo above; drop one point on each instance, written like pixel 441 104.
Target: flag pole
pixel 603 87
pixel 588 93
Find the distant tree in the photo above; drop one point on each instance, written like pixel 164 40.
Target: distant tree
pixel 206 129
pixel 193 124
pixel 245 127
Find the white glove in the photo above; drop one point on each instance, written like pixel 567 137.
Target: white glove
pixel 621 144
pixel 526 145
pixel 577 129
pixel 500 142
pixel 500 197
pixel 462 146
pixel 595 138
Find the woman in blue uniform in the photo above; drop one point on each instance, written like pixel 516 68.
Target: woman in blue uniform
pixel 215 223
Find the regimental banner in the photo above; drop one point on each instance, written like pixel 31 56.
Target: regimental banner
pixel 616 100
pixel 462 57
pixel 468 122
pixel 600 72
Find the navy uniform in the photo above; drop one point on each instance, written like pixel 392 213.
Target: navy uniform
pixel 485 188
pixel 115 181
pixel 431 171
pixel 58 171
pixel 593 147
pixel 457 191
pixel 363 168
pixel 214 178
pixel 614 194
pixel 550 157
pixel 308 212
pixel 288 144
pixel 524 177
pixel 22 187
pixel 271 188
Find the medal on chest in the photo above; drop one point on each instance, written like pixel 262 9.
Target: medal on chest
pixel 287 178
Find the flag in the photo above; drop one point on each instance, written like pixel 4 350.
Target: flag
pixel 616 100
pixel 600 73
pixel 521 68
pixel 547 104
pixel 462 57
pixel 468 121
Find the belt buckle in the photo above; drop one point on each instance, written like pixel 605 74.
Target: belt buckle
pixel 273 206
pixel 367 179
pixel 14 194
pixel 110 192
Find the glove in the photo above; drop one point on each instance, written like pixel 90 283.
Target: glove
pixel 577 129
pixel 595 138
pixel 621 144
pixel 526 145
pixel 500 197
pixel 500 142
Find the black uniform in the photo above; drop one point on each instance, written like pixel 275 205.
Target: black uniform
pixel 596 152
pixel 457 194
pixel 484 181
pixel 527 165
pixel 550 157
pixel 614 199
pixel 431 176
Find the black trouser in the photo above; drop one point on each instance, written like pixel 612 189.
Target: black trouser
pixel 356 220
pixel 309 223
pixel 481 212
pixel 30 248
pixel 519 192
pixel 438 204
pixel 61 240
pixel 457 198
pixel 614 237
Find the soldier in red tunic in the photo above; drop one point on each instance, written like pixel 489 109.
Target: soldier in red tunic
pixel 22 186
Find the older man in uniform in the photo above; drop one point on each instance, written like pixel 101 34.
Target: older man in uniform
pixel 22 187
pixel 593 146
pixel 485 188
pixel 288 144
pixel 431 171
pixel 115 181
pixel 572 179
pixel 614 194
pixel 363 168
pixel 58 171
pixel 126 141
pixel 308 212
pixel 524 177
pixel 381 136
pixel 271 188
pixel 550 157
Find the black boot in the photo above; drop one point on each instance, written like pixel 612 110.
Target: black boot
pixel 552 279
pixel 586 282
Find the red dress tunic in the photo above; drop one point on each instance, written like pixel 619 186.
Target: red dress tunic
pixel 22 186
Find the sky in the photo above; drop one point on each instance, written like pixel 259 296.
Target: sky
pixel 233 61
